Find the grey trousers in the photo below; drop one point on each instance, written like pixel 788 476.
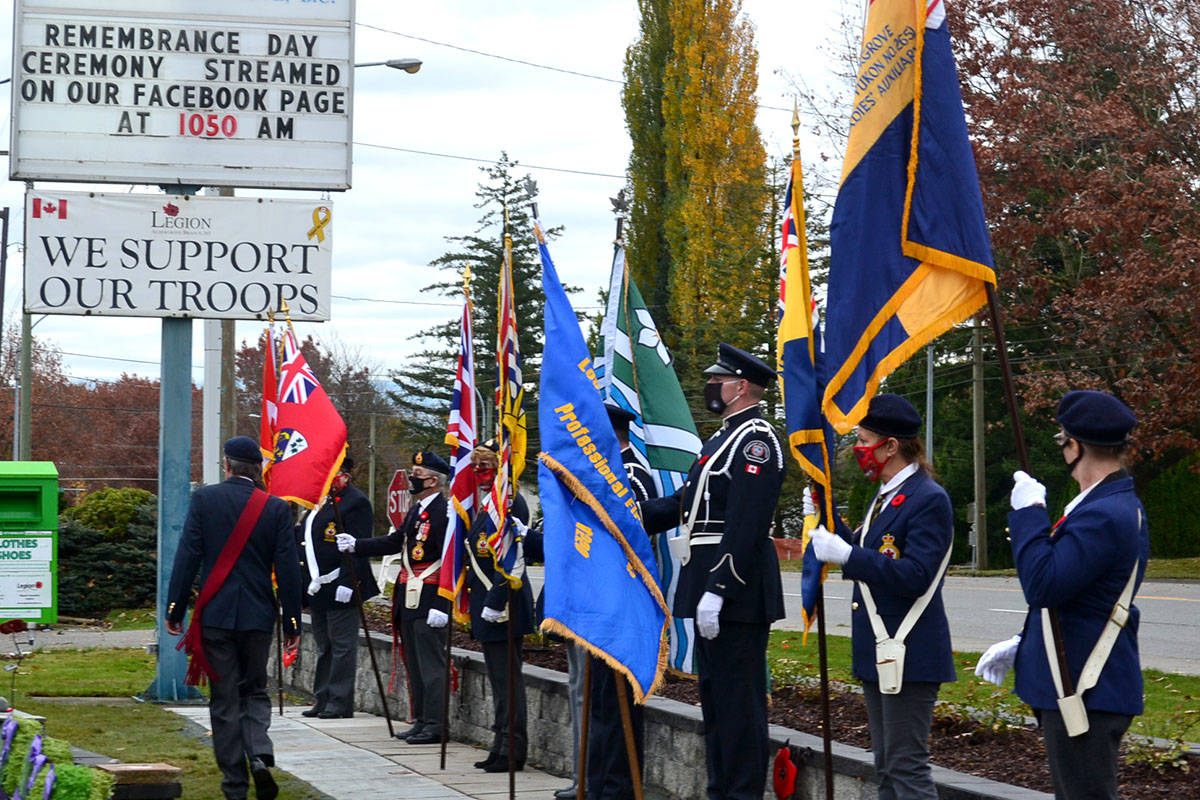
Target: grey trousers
pixel 900 726
pixel 425 660
pixel 495 658
pixel 238 705
pixel 336 633
pixel 1084 767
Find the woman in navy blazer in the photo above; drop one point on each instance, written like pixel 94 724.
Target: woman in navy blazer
pixel 1079 567
pixel 897 555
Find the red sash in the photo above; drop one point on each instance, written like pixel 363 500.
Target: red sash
pixel 199 670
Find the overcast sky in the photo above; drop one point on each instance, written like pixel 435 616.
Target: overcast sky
pixel 470 106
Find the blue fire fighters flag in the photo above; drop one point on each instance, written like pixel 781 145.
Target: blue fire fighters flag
pixel 910 252
pixel 601 585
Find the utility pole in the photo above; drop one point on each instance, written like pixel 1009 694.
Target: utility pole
pixel 980 555
pixel 371 463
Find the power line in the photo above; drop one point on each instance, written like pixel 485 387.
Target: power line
pixel 524 63
pixel 491 161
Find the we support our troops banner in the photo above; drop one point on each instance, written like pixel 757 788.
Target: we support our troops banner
pixel 910 252
pixel 602 585
pixel 639 375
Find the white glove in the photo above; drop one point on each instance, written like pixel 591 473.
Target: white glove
pixel 829 547
pixel 810 507
pixel 344 594
pixel 998 659
pixel 437 619
pixel 1027 491
pixel 345 542
pixel 707 612
pixel 491 614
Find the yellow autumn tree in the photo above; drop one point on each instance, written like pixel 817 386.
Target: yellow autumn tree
pixel 713 184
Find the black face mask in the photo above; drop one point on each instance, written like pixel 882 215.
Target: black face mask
pixel 712 398
pixel 417 485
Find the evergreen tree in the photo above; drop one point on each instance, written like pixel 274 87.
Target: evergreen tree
pixel 423 387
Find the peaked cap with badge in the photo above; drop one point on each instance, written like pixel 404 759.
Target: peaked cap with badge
pixel 740 364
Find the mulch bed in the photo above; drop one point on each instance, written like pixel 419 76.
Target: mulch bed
pixel 1013 755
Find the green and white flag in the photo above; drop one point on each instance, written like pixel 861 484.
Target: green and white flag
pixel 639 375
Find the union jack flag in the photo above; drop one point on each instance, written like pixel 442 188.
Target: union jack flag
pixel 511 432
pixel 298 381
pixel 460 435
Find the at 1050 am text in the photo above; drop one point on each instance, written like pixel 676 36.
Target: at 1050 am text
pixel 207 125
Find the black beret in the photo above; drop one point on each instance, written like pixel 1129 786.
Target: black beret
pixel 893 416
pixel 734 361
pixel 619 417
pixel 347 465
pixel 431 460
pixel 243 448
pixel 1095 418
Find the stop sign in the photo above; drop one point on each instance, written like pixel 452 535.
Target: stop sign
pixel 398 498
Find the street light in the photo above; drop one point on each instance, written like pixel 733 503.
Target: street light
pixel 409 65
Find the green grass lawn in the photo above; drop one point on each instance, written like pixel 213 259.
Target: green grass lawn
pixel 130 619
pixel 133 732
pixel 1171 710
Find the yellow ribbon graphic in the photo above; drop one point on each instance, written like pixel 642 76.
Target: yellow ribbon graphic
pixel 321 217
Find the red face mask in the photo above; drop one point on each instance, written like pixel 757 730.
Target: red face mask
pixel 339 481
pixel 867 462
pixel 484 475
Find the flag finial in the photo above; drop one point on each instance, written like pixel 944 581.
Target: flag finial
pixel 795 128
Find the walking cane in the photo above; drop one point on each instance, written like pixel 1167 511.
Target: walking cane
pixel 362 615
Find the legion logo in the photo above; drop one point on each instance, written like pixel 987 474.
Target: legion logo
pixel 169 218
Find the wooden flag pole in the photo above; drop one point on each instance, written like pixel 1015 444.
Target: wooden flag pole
pixel 635 772
pixel 446 692
pixel 362 616
pixel 512 693
pixel 1010 398
pixel 585 711
pixel 826 717
pixel 279 650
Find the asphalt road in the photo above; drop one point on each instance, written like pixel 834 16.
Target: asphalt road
pixel 983 611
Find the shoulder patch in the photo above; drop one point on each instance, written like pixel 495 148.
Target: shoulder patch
pixel 756 452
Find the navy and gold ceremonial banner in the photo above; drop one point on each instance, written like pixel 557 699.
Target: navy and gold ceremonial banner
pixel 800 363
pixel 910 252
pixel 601 585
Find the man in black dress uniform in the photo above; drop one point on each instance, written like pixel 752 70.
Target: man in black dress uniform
pixel 491 616
pixel 237 623
pixel 609 776
pixel 333 606
pixel 418 613
pixel 730 584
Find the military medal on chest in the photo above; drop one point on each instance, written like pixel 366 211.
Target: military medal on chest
pixel 888 548
pixel 418 551
pixel 330 532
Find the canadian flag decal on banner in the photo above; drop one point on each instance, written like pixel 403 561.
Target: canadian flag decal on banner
pixel 50 208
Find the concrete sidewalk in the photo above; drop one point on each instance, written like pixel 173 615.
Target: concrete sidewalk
pixel 355 759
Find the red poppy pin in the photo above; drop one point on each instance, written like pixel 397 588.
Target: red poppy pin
pixel 898 499
pixel 424 515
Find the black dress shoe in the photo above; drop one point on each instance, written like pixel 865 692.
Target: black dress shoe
pixel 501 765
pixel 425 736
pixel 311 712
pixel 413 731
pixel 265 787
pixel 335 715
pixel 487 762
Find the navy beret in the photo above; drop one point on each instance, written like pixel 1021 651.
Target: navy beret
pixel 1095 418
pixel 740 364
pixel 347 465
pixel 431 460
pixel 243 448
pixel 891 415
pixel 619 417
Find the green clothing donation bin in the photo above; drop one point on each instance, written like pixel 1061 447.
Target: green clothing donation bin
pixel 28 541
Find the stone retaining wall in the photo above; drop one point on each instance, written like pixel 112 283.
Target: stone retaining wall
pixel 674 768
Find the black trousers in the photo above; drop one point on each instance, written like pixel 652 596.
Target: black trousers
pixel 425 660
pixel 608 774
pixel 238 706
pixel 335 630
pixel 1084 767
pixel 733 700
pixel 495 658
